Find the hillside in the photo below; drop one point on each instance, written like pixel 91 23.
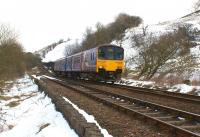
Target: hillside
pixel 44 51
pixel 159 29
pixel 192 20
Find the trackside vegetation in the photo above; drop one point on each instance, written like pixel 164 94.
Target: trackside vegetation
pixel 13 60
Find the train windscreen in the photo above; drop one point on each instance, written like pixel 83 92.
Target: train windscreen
pixel 110 53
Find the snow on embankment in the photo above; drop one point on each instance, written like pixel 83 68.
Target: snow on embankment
pixel 57 53
pixel 25 112
pixel 157 29
pixel 89 118
pixel 181 88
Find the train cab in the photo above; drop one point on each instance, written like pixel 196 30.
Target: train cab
pixel 110 61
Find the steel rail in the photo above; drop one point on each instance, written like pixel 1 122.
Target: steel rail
pixel 143 109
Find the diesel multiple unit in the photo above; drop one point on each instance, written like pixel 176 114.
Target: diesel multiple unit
pixel 105 62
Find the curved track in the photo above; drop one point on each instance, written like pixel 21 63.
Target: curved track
pixel 156 92
pixel 181 123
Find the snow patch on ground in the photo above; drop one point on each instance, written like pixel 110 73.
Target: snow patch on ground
pixel 89 118
pixel 181 88
pixel 57 53
pixel 45 76
pixel 136 83
pixel 25 112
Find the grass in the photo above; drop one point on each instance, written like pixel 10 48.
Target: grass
pixel 43 126
pixel 17 102
pixel 10 126
pixel 13 103
pixel 5 98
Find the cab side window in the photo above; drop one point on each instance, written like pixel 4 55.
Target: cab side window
pixel 91 56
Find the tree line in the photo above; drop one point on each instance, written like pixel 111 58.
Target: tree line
pixel 155 53
pixel 167 53
pixel 13 60
pixel 104 33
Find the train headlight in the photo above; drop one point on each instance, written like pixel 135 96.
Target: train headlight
pixel 100 67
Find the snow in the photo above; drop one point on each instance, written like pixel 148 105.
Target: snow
pixel 34 115
pixel 89 118
pixel 37 111
pixel 196 52
pixel 45 76
pixel 183 88
pixel 57 53
pixel 136 83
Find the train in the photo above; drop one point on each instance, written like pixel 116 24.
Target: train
pixel 104 62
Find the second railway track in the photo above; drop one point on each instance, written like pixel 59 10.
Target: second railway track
pixel 184 102
pixel 155 92
pixel 181 123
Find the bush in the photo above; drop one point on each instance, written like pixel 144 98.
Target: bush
pixel 11 59
pixel 155 52
pixel 31 60
pixel 106 34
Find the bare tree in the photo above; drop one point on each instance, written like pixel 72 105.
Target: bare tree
pixel 110 32
pixel 6 33
pixel 73 48
pixel 11 54
pixel 155 52
pixel 197 5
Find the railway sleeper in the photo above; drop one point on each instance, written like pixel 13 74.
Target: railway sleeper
pixel 192 128
pixel 166 118
pixel 136 107
pixel 197 127
pixel 176 122
pixel 128 105
pixel 154 114
pixel 122 104
pixel 93 92
pixel 143 110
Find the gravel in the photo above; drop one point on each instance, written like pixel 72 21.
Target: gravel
pixel 117 123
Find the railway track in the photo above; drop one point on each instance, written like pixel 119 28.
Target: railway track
pixel 181 123
pixel 155 92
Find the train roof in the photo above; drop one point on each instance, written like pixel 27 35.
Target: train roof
pixel 102 45
pixel 108 45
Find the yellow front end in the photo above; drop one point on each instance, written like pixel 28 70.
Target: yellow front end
pixel 110 65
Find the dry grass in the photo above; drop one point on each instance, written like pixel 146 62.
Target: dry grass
pixel 13 103
pixel 195 82
pixel 193 92
pixel 10 126
pixel 43 126
pixel 17 102
pixel 168 80
pixel 5 98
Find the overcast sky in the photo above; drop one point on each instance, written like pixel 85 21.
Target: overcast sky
pixel 42 22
